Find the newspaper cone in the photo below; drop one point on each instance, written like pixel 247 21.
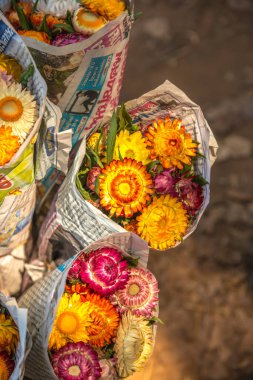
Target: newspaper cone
pixel 43 298
pixel 72 213
pixel 84 79
pixel 17 182
pixel 20 318
pixel 17 177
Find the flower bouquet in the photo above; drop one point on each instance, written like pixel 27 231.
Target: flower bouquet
pixel 144 177
pixel 147 171
pixel 80 48
pixel 97 315
pixel 65 23
pixel 22 104
pixel 12 339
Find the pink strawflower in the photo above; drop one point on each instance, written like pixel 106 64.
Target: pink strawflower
pixel 140 295
pixel 165 182
pixel 190 194
pixel 105 271
pixel 68 39
pixel 74 272
pixel 91 177
pixel 76 361
pixel 108 369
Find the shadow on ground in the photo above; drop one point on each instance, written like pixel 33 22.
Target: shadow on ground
pixel 206 298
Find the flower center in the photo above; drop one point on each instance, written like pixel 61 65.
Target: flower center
pixel 74 370
pixel 11 108
pixel 68 322
pixel 130 153
pixel 124 188
pixel 173 142
pixel 134 289
pixel 163 223
pixel 88 19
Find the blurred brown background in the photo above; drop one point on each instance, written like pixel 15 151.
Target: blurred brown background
pixel 205 47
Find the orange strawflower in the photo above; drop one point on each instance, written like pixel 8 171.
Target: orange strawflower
pixel 37 18
pixel 131 226
pixel 9 144
pixel 40 36
pixel 78 288
pixel 105 320
pixel 170 143
pixel 125 187
pixel 13 16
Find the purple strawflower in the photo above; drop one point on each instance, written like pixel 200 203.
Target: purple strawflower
pixel 8 79
pixel 76 361
pixel 105 271
pixel 68 39
pixel 190 194
pixel 91 177
pixel 165 182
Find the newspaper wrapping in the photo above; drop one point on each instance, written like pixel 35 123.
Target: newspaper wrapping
pixel 19 316
pixel 72 213
pixel 43 297
pixel 84 79
pixel 17 181
pixel 17 178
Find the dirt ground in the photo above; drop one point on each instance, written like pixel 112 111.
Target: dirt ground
pixel 205 47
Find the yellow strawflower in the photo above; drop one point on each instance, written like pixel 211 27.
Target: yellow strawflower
pixel 131 146
pixel 9 335
pixel 163 222
pixel 71 322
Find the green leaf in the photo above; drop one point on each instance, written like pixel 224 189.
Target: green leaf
pixel 120 156
pixel 34 8
pixel 125 120
pixel 79 179
pixel 200 180
pixel 200 155
pixel 108 351
pixel 186 169
pixel 98 141
pixel 111 139
pixel 97 185
pixel 134 128
pixel 96 157
pixel 152 164
pixel 26 75
pixel 44 27
pixel 132 262
pixel 64 27
pixel 87 157
pixel 154 320
pixel 69 19
pixel 137 15
pixel 25 25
